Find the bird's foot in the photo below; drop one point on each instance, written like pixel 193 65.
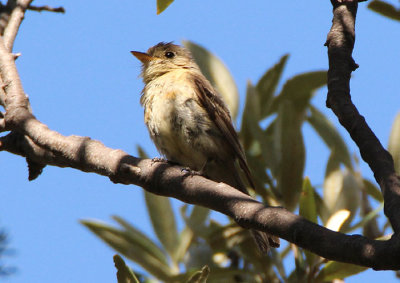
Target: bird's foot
pixel 163 160
pixel 158 159
pixel 190 172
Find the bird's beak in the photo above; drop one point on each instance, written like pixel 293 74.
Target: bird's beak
pixel 143 57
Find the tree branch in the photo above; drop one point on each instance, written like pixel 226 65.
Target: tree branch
pixel 34 140
pixel 42 146
pixel 11 16
pixel 46 8
pixel 17 15
pixel 168 180
pixel 340 44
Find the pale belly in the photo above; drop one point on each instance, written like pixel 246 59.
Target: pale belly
pixel 182 131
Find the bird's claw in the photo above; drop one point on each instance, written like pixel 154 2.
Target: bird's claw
pixel 162 159
pixel 190 172
pixel 158 159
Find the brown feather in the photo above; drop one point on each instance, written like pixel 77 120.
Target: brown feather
pixel 219 113
pixel 189 122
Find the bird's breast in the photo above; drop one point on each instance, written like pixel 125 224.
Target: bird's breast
pixel 179 126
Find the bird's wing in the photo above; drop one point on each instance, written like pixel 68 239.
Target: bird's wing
pixel 219 114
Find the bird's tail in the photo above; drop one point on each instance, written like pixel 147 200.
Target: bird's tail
pixel 265 241
pixel 228 173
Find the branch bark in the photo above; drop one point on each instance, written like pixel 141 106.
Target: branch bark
pixel 46 8
pixel 167 180
pixel 35 141
pixel 340 44
pixel 17 15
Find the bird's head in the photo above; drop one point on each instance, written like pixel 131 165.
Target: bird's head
pixel 163 58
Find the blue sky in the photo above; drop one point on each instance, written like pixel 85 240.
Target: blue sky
pixel 82 80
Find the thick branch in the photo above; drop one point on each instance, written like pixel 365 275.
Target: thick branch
pixel 11 17
pixel 81 153
pixel 16 102
pixel 168 180
pixel 14 21
pixel 340 44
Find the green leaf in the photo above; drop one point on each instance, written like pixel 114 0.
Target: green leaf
pixel 290 145
pixel 134 245
pixel 299 274
pixel 327 131
pixel 338 270
pixel 251 254
pixel 227 237
pixel 333 164
pixel 270 150
pixel 372 190
pixel 198 216
pixel 219 274
pixel 322 209
pixel 139 238
pixel 195 228
pixel 299 90
pixel 141 152
pixel 218 74
pixel 230 274
pixel 251 131
pixel 124 273
pixel 308 208
pixel 200 276
pixel 367 218
pixel 268 83
pixel 162 5
pixel 385 9
pixel 256 144
pixel 277 260
pixel 342 190
pixel 394 143
pixel 257 166
pixel 185 240
pixel 253 138
pixel 163 220
pixel 196 220
pixel 337 220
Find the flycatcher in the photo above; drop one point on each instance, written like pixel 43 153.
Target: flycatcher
pixel 189 122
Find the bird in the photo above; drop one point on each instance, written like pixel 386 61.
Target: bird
pixel 189 122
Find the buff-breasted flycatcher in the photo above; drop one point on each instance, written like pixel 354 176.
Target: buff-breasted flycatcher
pixel 189 122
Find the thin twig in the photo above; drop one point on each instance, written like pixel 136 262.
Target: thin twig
pixel 46 8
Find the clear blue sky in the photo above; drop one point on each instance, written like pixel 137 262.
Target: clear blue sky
pixel 82 80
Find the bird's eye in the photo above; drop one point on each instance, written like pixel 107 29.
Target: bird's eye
pixel 169 54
